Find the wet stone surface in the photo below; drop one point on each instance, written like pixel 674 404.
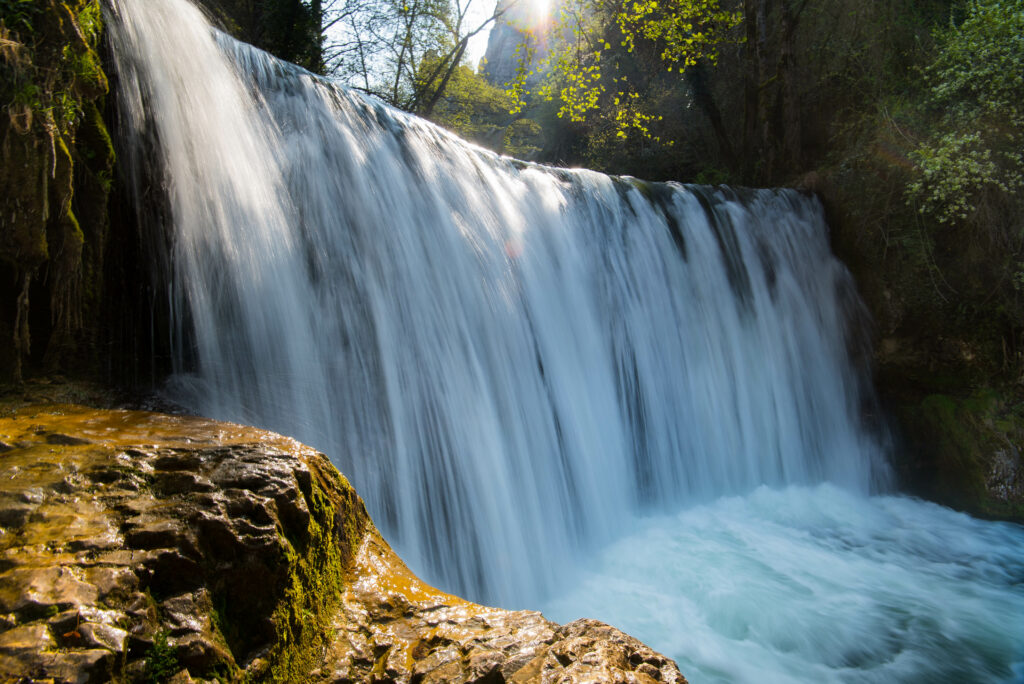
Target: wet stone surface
pixel 140 547
pixel 394 628
pixel 117 527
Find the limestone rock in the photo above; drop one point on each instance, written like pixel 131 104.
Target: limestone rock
pixel 394 628
pixel 139 547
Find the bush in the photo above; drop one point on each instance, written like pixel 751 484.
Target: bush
pixel 976 155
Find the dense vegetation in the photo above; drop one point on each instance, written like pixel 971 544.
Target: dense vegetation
pixel 290 29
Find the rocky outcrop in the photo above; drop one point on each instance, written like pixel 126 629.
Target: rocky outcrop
pixel 520 26
pixel 56 163
pixel 965 451
pixel 948 350
pixel 393 627
pixel 143 547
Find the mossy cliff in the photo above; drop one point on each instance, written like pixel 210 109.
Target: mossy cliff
pixel 56 162
pixel 948 316
pixel 137 547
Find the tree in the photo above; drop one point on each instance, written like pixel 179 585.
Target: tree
pixel 975 157
pixel 606 55
pixel 403 51
pixel 480 112
pixel 289 29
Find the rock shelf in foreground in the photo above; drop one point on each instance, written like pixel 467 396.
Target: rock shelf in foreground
pixel 145 547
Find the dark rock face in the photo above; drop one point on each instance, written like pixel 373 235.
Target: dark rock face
pixel 948 364
pixel 56 162
pixel 140 547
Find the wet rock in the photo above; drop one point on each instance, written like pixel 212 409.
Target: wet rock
pixel 79 667
pixel 33 591
pixel 182 483
pixel 187 613
pixel 201 652
pixel 181 677
pixel 116 584
pixel 26 638
pixel 588 650
pixel 394 628
pixel 15 515
pixel 227 552
pixel 168 571
pixel 100 635
pixel 152 532
pixel 65 440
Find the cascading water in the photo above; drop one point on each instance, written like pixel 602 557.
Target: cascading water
pixel 524 369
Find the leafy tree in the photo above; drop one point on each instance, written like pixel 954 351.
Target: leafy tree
pixel 289 29
pixel 606 56
pixel 480 112
pixel 760 97
pixel 976 156
pixel 403 51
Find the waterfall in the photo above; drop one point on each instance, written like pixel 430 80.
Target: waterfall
pixel 507 359
pixel 594 395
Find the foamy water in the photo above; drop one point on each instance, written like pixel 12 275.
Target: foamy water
pixel 815 585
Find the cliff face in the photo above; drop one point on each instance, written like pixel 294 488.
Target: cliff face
pixel 948 356
pixel 56 162
pixel 139 547
pixel 77 292
pixel 519 27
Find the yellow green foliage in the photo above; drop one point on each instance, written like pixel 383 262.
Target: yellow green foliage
pixel 685 30
pixel 480 112
pixel 595 45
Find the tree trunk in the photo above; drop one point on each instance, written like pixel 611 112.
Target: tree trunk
pixel 792 129
pixel 697 79
pixel 751 82
pixel 452 66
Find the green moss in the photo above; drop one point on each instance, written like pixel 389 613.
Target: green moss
pixel 965 451
pixel 958 447
pixel 161 660
pixel 100 149
pixel 52 134
pixel 316 577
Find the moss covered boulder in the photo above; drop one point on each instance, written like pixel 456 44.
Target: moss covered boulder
pixel 143 547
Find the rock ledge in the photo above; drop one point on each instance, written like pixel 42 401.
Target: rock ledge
pixel 144 547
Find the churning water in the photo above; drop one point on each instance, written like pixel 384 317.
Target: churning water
pixel 614 398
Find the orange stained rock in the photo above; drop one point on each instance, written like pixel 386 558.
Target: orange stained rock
pixel 119 526
pixel 37 426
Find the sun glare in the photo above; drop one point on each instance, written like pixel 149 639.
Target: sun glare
pixel 538 10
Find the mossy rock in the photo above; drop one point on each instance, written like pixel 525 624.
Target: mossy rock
pixel 965 451
pixel 178 543
pixel 56 159
pixel 139 545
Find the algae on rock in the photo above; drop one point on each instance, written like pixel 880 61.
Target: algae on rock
pixel 137 545
pixel 56 161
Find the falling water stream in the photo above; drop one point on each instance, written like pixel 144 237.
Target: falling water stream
pixel 598 396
